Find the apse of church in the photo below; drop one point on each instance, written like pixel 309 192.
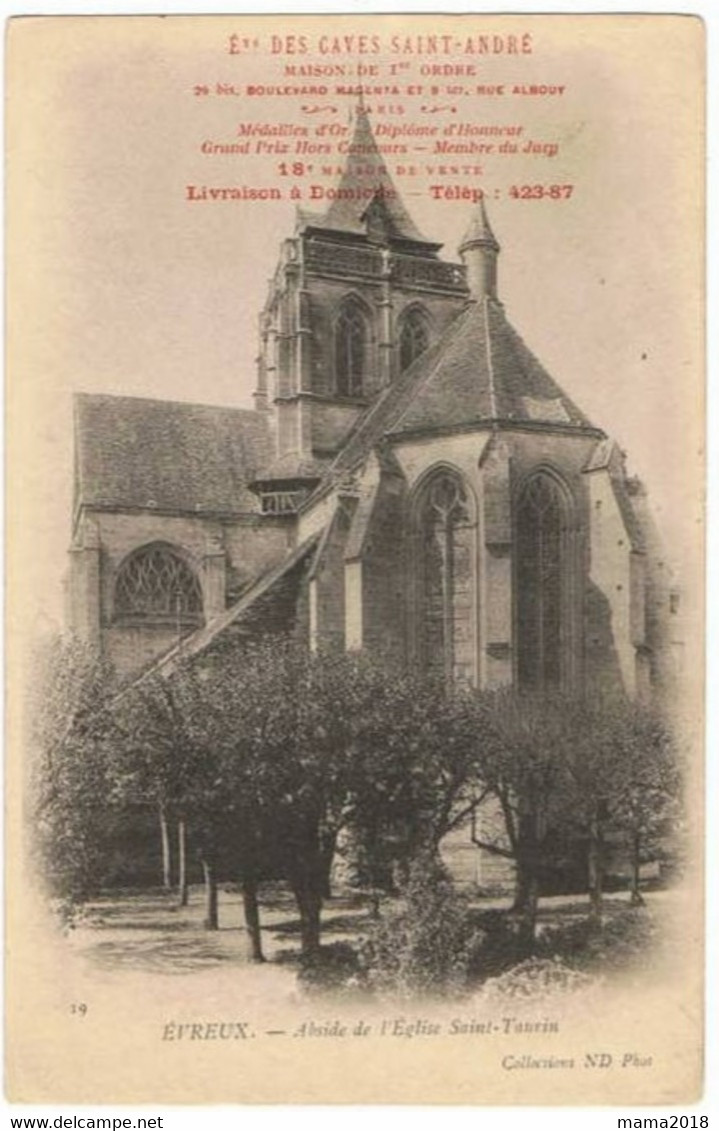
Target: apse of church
pixel 411 478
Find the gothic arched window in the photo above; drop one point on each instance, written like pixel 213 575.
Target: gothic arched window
pixel 350 350
pixel 155 584
pixel 542 631
pixel 413 338
pixel 445 636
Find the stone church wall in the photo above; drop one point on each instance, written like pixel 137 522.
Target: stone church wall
pixel 609 591
pixel 225 556
pixel 385 570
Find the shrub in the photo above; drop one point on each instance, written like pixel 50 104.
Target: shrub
pixel 500 947
pixel 332 969
pixel 429 944
pixel 535 978
pixel 624 937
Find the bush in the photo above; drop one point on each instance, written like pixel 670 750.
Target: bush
pixel 624 937
pixel 429 944
pixel 534 979
pixel 500 947
pixel 334 968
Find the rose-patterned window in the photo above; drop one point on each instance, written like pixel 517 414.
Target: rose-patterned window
pixel 155 584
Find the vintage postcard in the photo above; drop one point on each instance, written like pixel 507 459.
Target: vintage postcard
pixel 355 561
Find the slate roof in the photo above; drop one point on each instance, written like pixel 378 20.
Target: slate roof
pixel 133 452
pixel 290 467
pixel 346 212
pixel 478 372
pixel 479 230
pixel 487 373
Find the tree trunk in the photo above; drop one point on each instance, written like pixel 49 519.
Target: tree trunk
pixel 166 858
pixel 182 886
pixel 528 913
pixel 307 889
pixel 636 898
pixel 310 923
pixel 252 918
pixel 526 891
pixel 211 920
pixel 595 869
pixel 522 884
pixel 327 852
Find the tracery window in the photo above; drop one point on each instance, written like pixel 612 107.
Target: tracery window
pixel 446 639
pixel 155 584
pixel 413 338
pixel 350 350
pixel 541 583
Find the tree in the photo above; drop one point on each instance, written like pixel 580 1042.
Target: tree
pixel 624 778
pixel 414 758
pixel 162 753
pixel 72 799
pixel 525 770
pixel 282 750
pixel 644 798
pixel 314 745
pixel 568 770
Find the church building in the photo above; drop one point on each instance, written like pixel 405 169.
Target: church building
pixel 410 477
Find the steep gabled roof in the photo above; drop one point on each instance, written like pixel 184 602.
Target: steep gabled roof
pixel 360 199
pixel 487 373
pixel 373 425
pixel 479 372
pixel 133 452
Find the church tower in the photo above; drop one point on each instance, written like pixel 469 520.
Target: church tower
pixel 412 479
pixel 358 293
pixel 492 533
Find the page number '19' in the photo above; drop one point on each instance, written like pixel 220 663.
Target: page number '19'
pixel 78 1008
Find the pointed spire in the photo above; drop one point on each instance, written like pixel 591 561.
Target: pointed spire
pixel 479 230
pixel 359 197
pixel 479 250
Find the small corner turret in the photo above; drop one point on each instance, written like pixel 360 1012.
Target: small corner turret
pixel 479 250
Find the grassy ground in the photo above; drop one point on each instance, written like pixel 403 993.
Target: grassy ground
pixel 148 933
